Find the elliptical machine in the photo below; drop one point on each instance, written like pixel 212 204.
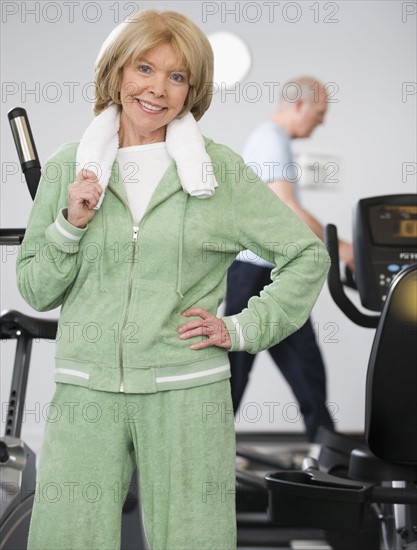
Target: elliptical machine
pixel 17 460
pixel 337 492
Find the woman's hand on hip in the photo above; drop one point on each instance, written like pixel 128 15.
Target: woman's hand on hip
pixel 83 195
pixel 208 325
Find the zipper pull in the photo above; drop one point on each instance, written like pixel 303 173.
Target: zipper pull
pixel 135 233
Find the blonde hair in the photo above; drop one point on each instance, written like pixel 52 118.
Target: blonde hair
pixel 144 31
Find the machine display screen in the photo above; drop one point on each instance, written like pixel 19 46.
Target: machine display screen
pixel 394 224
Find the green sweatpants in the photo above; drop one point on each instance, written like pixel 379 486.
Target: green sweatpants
pixel 183 444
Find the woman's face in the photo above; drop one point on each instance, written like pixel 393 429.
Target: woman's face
pixel 153 92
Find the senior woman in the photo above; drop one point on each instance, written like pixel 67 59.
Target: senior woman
pixel 135 247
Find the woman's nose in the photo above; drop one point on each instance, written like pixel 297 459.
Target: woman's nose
pixel 157 85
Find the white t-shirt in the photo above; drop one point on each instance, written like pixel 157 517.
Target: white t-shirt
pixel 268 152
pixel 141 169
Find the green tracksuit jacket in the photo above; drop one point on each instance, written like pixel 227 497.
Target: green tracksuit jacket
pixel 122 289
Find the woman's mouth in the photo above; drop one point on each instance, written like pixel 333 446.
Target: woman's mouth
pixel 148 107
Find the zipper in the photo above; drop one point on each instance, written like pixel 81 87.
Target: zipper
pixel 134 240
pixel 129 294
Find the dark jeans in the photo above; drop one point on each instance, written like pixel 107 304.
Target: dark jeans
pixel 298 356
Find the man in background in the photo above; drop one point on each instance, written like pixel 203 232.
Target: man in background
pixel 268 149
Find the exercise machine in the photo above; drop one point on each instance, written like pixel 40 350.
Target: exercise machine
pixel 348 481
pixel 17 460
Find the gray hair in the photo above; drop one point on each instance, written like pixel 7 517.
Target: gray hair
pixel 305 88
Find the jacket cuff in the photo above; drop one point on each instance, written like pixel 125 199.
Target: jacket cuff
pixel 63 234
pixel 244 333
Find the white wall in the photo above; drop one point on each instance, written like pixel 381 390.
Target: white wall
pixel 364 50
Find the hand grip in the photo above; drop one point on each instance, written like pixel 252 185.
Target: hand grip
pixel 26 150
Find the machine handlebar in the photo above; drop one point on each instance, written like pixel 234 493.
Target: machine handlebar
pixel 336 286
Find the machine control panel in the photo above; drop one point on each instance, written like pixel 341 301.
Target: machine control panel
pixel 384 242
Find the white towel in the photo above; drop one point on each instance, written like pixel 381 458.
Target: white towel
pixel 99 144
pixel 185 144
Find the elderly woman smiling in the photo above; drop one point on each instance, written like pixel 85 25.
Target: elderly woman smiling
pixel 145 218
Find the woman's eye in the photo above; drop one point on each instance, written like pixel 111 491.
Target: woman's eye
pixel 144 68
pixel 178 77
